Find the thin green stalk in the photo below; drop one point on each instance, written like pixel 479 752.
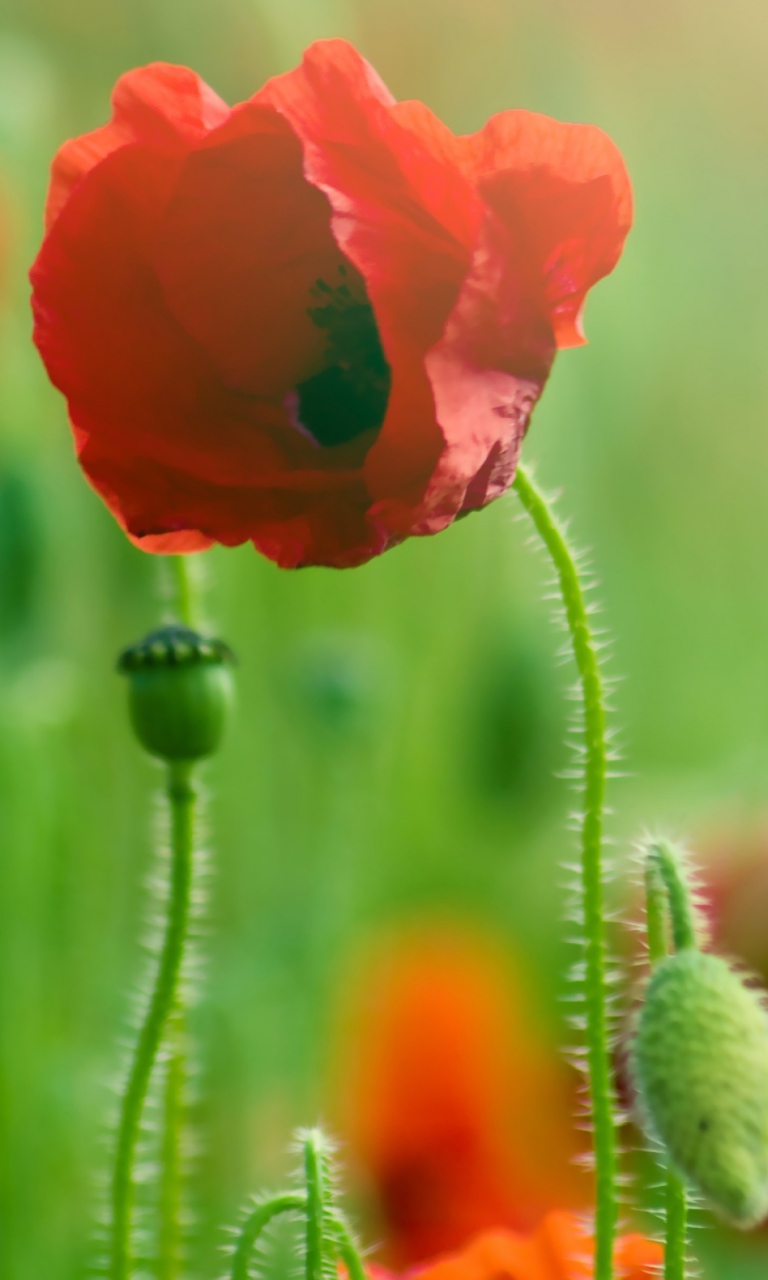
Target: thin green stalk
pixel 665 888
pixel 262 1215
pixel 348 1251
pixel 182 588
pixel 665 884
pixel 655 913
pixel 181 797
pixel 595 766
pixel 676 1228
pixel 183 605
pixel 314 1174
pixel 169 1258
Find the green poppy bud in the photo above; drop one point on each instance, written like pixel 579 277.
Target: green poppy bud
pixel 700 1064
pixel 179 691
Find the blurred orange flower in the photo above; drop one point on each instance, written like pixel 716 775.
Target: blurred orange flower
pixel 559 1249
pixel 454 1104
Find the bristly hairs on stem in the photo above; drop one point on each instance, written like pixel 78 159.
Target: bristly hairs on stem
pixel 161 1035
pixel 162 1004
pixel 593 756
pixel 328 1238
pixel 667 894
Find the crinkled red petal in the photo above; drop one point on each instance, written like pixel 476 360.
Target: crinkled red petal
pixel 164 106
pixel 557 208
pixel 562 190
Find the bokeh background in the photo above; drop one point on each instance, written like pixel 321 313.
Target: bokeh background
pixel 387 908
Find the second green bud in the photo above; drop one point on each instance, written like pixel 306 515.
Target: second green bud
pixel 700 1065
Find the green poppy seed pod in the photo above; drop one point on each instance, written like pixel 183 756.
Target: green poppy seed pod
pixel 700 1065
pixel 179 691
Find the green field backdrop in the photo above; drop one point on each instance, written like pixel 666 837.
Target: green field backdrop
pixel 399 726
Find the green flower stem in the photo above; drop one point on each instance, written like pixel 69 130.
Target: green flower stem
pixel 262 1215
pixel 181 797
pixel 666 887
pixel 595 762
pixel 182 589
pixel 348 1251
pixel 314 1174
pixel 169 1260
pixel 183 600
pixel 676 1234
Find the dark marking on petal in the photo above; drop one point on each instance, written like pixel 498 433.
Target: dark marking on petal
pixel 350 396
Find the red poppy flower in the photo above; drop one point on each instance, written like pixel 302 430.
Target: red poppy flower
pixel 559 1249
pixel 317 320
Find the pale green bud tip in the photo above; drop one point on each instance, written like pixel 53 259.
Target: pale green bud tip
pixel 179 692
pixel 700 1065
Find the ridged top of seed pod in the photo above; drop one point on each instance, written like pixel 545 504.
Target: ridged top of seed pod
pixel 173 646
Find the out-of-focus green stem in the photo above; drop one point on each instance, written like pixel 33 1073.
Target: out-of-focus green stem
pixel 183 593
pixel 181 576
pixel 676 1229
pixel 665 887
pixel 314 1175
pixel 181 797
pixel 348 1251
pixel 262 1215
pixel 169 1258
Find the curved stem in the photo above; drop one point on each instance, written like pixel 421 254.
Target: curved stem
pixel 595 752
pixel 664 880
pixel 181 798
pixel 169 1260
pixel 348 1251
pixel 253 1226
pixel 665 886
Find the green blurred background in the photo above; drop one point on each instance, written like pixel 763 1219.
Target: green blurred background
pixel 399 725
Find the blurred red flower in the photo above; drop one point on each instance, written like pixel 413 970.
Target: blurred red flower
pixel 317 320
pixel 453 1104
pixel 559 1249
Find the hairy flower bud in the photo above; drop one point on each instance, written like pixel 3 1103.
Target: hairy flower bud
pixel 180 688
pixel 700 1064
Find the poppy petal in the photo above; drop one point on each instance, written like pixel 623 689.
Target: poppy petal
pixel 404 217
pixel 163 105
pixel 243 242
pixel 563 191
pixel 142 395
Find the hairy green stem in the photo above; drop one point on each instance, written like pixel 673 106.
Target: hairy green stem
pixel 314 1175
pixel 262 1215
pixel 348 1251
pixel 665 887
pixel 169 1258
pixel 183 605
pixel 181 797
pixel 675 1240
pixel 601 1085
pixel 665 884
